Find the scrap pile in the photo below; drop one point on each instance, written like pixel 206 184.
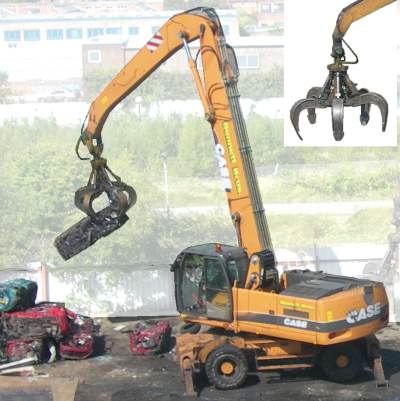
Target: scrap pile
pixel 40 332
pixel 149 338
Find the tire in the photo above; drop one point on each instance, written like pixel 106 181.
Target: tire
pixel 230 355
pixel 342 363
pixel 190 328
pixel 165 343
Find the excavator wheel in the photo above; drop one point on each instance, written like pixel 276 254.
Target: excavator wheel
pixel 342 363
pixel 226 367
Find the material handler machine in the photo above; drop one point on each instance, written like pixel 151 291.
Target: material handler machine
pixel 256 318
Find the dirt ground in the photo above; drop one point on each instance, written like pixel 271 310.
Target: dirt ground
pixel 116 375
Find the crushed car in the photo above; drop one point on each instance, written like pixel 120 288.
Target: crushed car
pixel 150 338
pixel 46 330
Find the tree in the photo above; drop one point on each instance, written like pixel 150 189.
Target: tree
pixel 259 86
pixel 96 80
pixel 39 174
pixel 4 86
pixel 245 20
pixel 170 85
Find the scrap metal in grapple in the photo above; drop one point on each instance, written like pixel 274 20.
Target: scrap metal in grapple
pixel 87 231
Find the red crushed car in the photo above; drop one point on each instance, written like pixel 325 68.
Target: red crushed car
pixel 45 330
pixel 150 338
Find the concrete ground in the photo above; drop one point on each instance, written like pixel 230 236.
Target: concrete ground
pixel 118 376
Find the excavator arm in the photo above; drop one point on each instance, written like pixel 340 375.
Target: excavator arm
pixel 220 98
pixel 356 11
pixel 350 14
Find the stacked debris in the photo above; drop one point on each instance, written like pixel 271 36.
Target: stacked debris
pixel 42 331
pixel 17 294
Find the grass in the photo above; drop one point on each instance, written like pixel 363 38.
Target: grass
pixel 191 192
pixel 369 225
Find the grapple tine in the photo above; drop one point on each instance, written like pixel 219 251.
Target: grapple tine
pixel 313 93
pixel 365 109
pixel 296 110
pixel 376 99
pixel 84 198
pixel 365 112
pixel 337 118
pixel 122 197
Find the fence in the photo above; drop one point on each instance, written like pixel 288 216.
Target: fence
pixel 131 291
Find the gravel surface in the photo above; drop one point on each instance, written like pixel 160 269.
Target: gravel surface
pixel 116 375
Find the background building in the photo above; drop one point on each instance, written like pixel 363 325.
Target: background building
pixel 261 17
pixel 44 43
pixel 258 54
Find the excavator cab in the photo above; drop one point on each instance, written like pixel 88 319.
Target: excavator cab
pixel 204 276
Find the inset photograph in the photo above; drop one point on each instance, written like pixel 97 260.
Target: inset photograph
pixel 340 73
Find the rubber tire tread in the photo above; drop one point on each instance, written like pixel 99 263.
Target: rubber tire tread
pixel 190 328
pixel 234 353
pixel 342 375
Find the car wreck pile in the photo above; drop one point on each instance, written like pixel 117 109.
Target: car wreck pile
pixel 45 331
pixel 149 338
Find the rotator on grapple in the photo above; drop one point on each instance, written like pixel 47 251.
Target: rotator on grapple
pixel 339 91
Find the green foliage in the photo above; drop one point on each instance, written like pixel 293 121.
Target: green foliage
pixel 342 182
pixel 162 85
pixel 299 231
pixel 94 81
pixel 4 86
pixel 262 85
pixel 245 20
pixel 266 137
pixel 196 148
pixel 276 30
pixel 39 174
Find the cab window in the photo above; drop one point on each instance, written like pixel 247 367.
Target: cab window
pixel 192 284
pixel 237 270
pixel 215 275
pixel 218 295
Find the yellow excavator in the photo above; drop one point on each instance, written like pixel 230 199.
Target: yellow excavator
pixel 298 320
